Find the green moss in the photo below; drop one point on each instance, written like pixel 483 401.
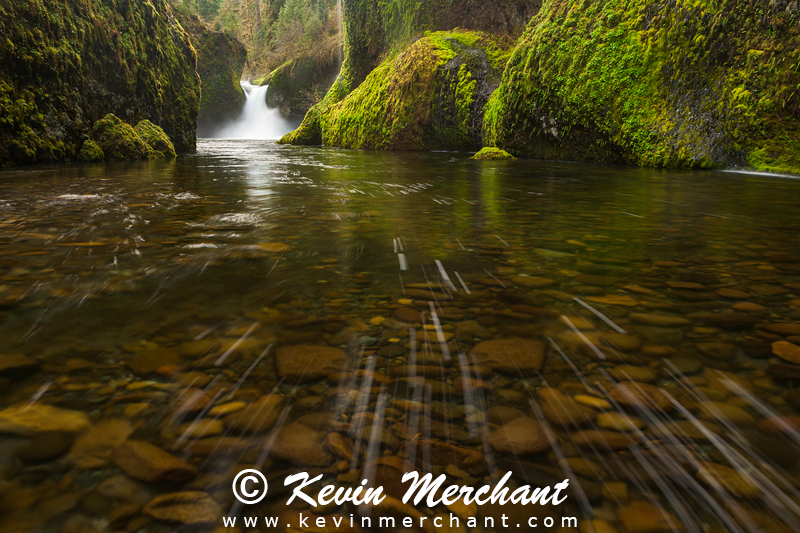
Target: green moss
pixel 91 152
pixel 67 64
pixel 155 138
pixel 698 85
pixel 119 141
pixel 430 96
pixel 493 153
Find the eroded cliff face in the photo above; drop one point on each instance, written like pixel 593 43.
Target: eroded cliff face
pixel 674 84
pixel 220 63
pixel 65 65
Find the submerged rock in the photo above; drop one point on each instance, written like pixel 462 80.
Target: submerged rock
pixel 522 435
pixel 514 355
pixel 301 363
pixel 26 419
pixel 190 508
pixel 142 460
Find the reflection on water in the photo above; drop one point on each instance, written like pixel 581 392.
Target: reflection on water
pixel 165 325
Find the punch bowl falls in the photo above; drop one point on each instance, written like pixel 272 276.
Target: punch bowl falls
pixel 364 299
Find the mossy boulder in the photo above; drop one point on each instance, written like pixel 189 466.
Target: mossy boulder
pixel 695 85
pixel 65 65
pixel 430 96
pixel 155 138
pixel 496 154
pixel 300 83
pixel 220 61
pixel 118 140
pixel 91 152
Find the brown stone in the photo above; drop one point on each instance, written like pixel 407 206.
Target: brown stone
pixel 644 517
pixel 339 445
pixel 259 416
pixel 190 508
pixel 301 363
pixel 640 396
pixel 523 435
pixel 787 351
pixel 407 314
pixel 142 460
pixel 725 478
pixel 93 449
pixel 300 445
pixel 513 355
pixel 148 362
pixel 442 453
pixel 191 401
pixel 16 363
pixel 600 439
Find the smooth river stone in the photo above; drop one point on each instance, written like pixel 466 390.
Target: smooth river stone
pixel 93 448
pixel 787 351
pixel 259 416
pixel 619 421
pixel 531 282
pixel 717 350
pixel 300 445
pixel 713 411
pixel 624 301
pixel 513 355
pixel 567 412
pixel 731 321
pixel 27 420
pixel 633 373
pixel 274 247
pixel 721 477
pixel 625 343
pixel 144 461
pixel 523 435
pixel 190 508
pixel 600 439
pixel 662 321
pixel 302 363
pixel 640 396
pixel 644 517
pixel 16 363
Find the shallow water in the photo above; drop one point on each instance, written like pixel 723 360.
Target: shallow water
pixel 124 284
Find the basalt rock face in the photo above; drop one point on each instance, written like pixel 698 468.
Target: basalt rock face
pixel 430 96
pixel 298 84
pixel 220 62
pixel 674 84
pixel 65 65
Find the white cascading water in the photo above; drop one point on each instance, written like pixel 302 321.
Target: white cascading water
pixel 257 121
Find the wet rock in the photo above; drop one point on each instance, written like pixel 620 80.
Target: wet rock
pixel 123 488
pixel 787 351
pixel 93 449
pixel 783 329
pixel 45 447
pixel 144 461
pixel 601 439
pixel 625 343
pixel 661 321
pixel 300 445
pixel 13 363
pixel 624 301
pixel 197 429
pixel 633 373
pixel 302 363
pixel 532 282
pixel 520 436
pixel 717 350
pixel 407 314
pixel 722 380
pixel 442 453
pixel 640 396
pixel 731 321
pixel 148 362
pixel 26 420
pixel 566 412
pixel 274 247
pixel 190 401
pixel 679 430
pixel 713 411
pixel 513 355
pixel 189 508
pixel 726 479
pixel 259 416
pixel 592 401
pixel 644 517
pixel 619 422
pixel 756 349
pixel 663 336
pixel 339 445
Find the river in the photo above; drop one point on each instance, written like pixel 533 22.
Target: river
pixel 360 314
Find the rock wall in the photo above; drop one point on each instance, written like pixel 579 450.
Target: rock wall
pixel 220 63
pixel 299 84
pixel 65 65
pixel 674 84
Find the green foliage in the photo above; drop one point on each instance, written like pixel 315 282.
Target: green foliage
pixel 493 154
pixel 297 21
pixel 208 9
pixel 698 84
pixel 91 152
pixel 118 140
pixel 155 138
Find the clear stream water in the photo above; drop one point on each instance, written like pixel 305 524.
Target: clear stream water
pixel 156 298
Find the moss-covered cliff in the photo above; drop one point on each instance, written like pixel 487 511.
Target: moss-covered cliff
pixel 376 30
pixel 678 84
pixel 220 62
pixel 431 96
pixel 65 65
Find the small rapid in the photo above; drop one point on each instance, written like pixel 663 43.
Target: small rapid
pixel 257 121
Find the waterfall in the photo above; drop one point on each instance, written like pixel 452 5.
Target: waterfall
pixel 257 121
